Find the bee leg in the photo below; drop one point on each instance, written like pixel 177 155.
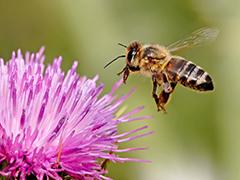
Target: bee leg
pixel 168 88
pixel 165 94
pixel 154 91
pixel 125 72
pixel 125 75
pixel 166 84
pixel 121 71
pixel 163 98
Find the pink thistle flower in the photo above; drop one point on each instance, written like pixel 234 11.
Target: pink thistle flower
pixel 54 125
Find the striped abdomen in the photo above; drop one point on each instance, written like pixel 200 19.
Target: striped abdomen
pixel 188 74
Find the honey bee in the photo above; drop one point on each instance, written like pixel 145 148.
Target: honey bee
pixel 166 70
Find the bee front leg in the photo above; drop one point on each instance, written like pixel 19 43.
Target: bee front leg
pixel 125 72
pixel 125 75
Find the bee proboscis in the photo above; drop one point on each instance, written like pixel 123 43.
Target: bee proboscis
pixel 165 69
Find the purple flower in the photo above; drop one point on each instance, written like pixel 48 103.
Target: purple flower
pixel 54 125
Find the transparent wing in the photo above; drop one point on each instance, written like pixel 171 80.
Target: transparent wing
pixel 196 38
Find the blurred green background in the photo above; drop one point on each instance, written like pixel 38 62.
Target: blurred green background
pixel 199 137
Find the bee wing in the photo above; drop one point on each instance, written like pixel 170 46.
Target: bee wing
pixel 196 38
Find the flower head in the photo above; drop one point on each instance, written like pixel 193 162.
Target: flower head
pixel 52 124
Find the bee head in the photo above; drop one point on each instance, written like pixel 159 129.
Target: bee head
pixel 132 51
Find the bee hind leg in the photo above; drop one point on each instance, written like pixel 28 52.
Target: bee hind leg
pixel 165 94
pixel 163 98
pixel 154 92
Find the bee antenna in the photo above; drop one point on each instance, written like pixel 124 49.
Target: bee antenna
pixel 121 56
pixel 120 44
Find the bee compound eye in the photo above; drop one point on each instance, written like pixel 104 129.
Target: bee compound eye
pixel 131 55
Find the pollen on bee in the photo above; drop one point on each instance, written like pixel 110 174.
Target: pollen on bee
pixel 146 61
